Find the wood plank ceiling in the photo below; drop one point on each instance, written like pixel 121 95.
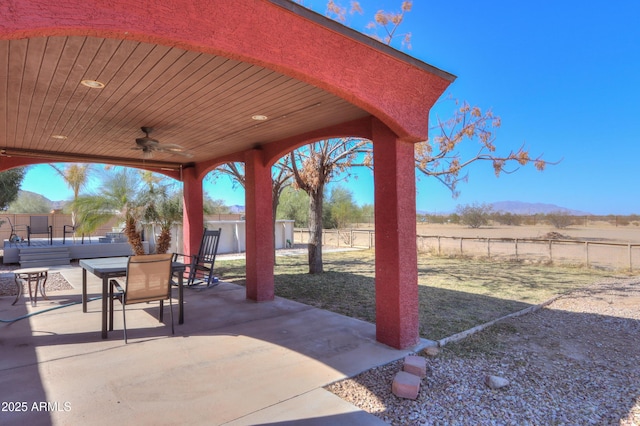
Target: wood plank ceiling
pixel 203 103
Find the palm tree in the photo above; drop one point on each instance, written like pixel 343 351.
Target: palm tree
pixel 169 212
pixel 76 177
pixel 161 208
pixel 118 196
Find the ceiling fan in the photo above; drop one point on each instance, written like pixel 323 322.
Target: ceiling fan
pixel 148 145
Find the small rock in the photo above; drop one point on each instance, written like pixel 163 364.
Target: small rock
pixel 431 351
pixel 415 365
pixel 495 382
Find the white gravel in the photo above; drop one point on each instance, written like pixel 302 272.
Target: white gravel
pixel 576 362
pixel 55 282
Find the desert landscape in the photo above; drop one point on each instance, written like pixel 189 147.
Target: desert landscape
pixel 596 244
pixel 600 231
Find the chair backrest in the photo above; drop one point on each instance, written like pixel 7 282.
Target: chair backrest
pixel 148 278
pixel 39 224
pixel 209 246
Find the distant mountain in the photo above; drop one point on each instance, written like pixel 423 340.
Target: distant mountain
pixel 519 207
pixel 28 200
pixel 58 205
pixel 522 208
pixel 236 209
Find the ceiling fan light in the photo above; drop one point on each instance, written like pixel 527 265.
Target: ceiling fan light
pixel 93 84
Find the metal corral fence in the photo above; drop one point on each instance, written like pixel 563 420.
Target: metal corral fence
pixel 595 254
pixel 576 252
pixel 357 238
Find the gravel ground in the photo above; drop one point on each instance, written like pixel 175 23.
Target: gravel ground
pixel 55 282
pixel 576 362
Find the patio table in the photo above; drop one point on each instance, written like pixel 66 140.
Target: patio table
pixel 37 276
pixel 114 267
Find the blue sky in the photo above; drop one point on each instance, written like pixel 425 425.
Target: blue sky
pixel 563 76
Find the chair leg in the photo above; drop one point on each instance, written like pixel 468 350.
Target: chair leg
pixel 111 284
pixel 124 323
pixel 192 275
pixel 161 314
pixel 171 310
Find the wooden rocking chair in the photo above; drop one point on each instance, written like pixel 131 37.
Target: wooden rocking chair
pixel 200 266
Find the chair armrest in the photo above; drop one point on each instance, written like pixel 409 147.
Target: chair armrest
pixel 115 284
pixel 184 256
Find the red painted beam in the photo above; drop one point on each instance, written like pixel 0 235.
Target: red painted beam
pixel 397 308
pixel 193 215
pixel 260 253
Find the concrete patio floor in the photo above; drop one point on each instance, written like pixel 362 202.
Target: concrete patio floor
pixel 233 362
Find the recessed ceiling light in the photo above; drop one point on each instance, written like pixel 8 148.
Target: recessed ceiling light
pixel 259 117
pixel 58 136
pixel 94 84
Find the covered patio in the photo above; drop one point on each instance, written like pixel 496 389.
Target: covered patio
pixel 232 362
pixel 221 81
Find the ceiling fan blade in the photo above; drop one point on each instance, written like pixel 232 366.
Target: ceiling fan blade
pixel 148 145
pixel 170 147
pixel 174 149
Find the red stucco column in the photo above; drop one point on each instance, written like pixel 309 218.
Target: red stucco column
pixel 397 317
pixel 259 227
pixel 193 216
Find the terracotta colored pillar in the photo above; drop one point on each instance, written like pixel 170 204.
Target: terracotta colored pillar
pixel 397 316
pixel 259 227
pixel 193 216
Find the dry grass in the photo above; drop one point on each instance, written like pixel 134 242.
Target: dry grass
pixel 455 293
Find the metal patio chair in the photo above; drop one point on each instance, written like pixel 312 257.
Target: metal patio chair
pixel 148 279
pixel 70 229
pixel 200 266
pixel 14 238
pixel 39 225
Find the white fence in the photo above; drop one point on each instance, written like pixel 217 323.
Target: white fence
pixel 233 236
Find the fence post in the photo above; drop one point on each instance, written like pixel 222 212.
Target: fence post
pixel 550 252
pixel 630 265
pixel 439 251
pixel 516 249
pixel 460 246
pixel 489 248
pixel 586 251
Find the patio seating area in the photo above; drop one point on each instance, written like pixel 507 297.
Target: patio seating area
pixel 59 251
pixel 233 361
